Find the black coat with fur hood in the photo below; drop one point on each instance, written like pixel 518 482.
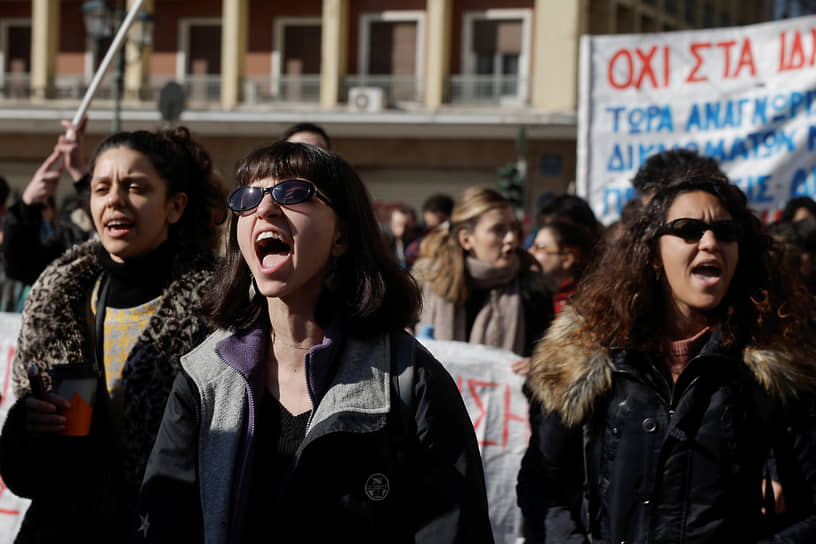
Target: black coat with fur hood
pixel 619 454
pixel 82 487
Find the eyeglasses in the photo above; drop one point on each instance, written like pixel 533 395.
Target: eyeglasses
pixel 286 193
pixel 691 230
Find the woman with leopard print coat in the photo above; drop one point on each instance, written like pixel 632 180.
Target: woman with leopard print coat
pixel 153 201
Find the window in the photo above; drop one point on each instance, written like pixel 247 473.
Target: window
pixel 15 57
pixel 296 59
pixel 199 59
pixel 496 56
pixel 391 54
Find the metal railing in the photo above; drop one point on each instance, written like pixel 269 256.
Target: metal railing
pixel 200 90
pixel 395 88
pixel 478 89
pixel 270 89
pixel 15 85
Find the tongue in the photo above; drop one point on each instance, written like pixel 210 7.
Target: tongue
pixel 270 260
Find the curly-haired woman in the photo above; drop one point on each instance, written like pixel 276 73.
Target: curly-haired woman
pixel 124 305
pixel 685 359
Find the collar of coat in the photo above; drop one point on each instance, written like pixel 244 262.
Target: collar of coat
pixel 568 374
pixel 55 327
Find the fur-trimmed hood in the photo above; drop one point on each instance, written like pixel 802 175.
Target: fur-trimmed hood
pixel 56 330
pixel 568 373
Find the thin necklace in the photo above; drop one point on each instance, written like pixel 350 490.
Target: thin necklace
pixel 284 344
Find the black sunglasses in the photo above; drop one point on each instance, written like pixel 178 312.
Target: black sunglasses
pixel 691 230
pixel 285 193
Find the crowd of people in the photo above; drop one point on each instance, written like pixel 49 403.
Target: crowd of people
pixel 257 371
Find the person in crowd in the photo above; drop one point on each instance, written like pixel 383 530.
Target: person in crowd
pixel 481 286
pixel 573 209
pixel 629 213
pixel 125 304
pixel 436 210
pixel 401 231
pixel 799 239
pixel 307 133
pixel 798 209
pixel 563 250
pixel 668 166
pixel 12 292
pixel 26 252
pixel 311 415
pixel 685 358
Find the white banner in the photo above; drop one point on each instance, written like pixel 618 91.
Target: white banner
pixel 745 96
pixel 499 411
pixel 12 508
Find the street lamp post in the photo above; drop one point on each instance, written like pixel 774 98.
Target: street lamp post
pixel 101 22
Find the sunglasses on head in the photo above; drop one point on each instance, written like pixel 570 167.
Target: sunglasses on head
pixel 286 193
pixel 691 230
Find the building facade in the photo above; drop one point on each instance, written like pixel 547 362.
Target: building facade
pixel 420 96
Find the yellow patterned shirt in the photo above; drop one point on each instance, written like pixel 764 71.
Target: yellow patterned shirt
pixel 122 328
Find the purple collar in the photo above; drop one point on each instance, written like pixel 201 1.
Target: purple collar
pixel 246 353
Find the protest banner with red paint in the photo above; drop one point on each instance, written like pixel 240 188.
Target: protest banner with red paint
pixel 742 95
pixel 12 508
pixel 499 412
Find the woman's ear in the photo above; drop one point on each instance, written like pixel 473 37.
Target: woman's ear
pixel 569 260
pixel 340 242
pixel 463 235
pixel 175 207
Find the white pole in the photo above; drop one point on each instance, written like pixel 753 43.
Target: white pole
pixel 115 45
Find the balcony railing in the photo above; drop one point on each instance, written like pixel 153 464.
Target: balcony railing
pixel 271 89
pixel 15 85
pixel 478 89
pixel 395 88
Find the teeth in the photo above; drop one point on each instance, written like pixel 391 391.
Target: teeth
pixel 268 234
pixel 117 223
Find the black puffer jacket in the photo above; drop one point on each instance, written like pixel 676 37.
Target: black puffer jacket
pixel 665 464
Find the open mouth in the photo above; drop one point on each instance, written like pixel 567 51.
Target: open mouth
pixel 118 226
pixel 270 247
pixel 707 270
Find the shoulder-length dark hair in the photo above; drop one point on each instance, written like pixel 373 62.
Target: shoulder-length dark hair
pixel 622 301
pixel 186 167
pixel 365 284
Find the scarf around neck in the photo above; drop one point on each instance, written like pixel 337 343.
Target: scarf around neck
pixel 499 323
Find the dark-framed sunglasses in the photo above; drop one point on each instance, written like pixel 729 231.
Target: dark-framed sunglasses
pixel 691 230
pixel 286 193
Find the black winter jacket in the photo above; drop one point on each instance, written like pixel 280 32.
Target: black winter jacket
pixel 25 254
pixel 365 472
pixel 618 453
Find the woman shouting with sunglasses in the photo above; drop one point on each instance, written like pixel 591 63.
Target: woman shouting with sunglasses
pixel 311 416
pixel 684 360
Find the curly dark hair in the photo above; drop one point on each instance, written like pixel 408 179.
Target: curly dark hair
pixel 186 167
pixel 365 285
pixel 622 300
pixel 670 166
